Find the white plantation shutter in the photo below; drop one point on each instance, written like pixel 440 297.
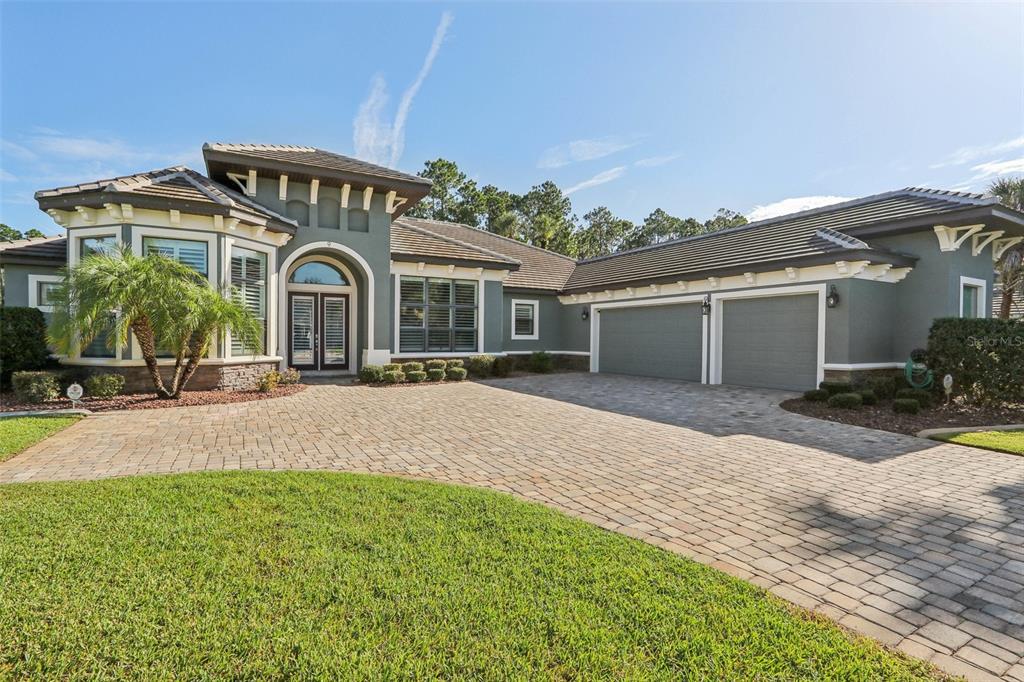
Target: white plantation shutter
pixel 524 320
pixel 437 315
pixel 185 251
pixel 249 282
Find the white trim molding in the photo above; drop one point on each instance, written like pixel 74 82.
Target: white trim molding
pixel 33 290
pixel 982 287
pixel 531 303
pixel 271 254
pixel 862 366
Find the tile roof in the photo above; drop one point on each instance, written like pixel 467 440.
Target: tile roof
pixel 409 242
pixel 817 233
pixel 539 268
pixel 314 158
pixel 174 184
pixel 37 250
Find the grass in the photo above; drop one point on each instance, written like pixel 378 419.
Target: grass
pixel 258 575
pixel 18 433
pixel 1000 441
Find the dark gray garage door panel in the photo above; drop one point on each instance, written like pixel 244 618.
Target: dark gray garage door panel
pixel 770 342
pixel 657 341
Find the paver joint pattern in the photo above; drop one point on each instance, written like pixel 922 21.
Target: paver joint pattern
pixel 917 544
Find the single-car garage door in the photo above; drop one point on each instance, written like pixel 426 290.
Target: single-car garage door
pixel 770 341
pixel 655 340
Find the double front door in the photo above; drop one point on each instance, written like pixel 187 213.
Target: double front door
pixel 318 330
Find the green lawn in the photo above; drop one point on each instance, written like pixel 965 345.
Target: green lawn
pixel 259 575
pixel 1001 441
pixel 17 433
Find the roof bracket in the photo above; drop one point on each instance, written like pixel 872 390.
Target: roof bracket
pixel 367 197
pixel 345 189
pixel 982 239
pixel 951 239
pixel 1001 246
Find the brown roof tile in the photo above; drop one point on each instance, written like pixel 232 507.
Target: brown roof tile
pixel 412 243
pixel 37 250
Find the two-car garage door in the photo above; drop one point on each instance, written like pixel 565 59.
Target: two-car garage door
pixel 763 341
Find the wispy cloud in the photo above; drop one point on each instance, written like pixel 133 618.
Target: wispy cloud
pixel 792 205
pixel 653 161
pixel 968 154
pixel 584 150
pixel 599 179
pixel 994 169
pixel 373 137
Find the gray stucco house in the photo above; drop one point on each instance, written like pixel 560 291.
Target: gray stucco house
pixel 318 245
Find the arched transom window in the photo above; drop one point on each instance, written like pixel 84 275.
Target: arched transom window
pixel 317 272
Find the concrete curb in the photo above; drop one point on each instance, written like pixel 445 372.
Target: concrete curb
pixel 928 433
pixel 43 413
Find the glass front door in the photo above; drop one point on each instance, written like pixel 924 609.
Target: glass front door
pixel 318 331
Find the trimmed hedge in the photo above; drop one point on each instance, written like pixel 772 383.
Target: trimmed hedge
pixel 415 376
pixel 104 385
pixel 371 374
pixel 503 365
pixel 834 387
pixel 456 373
pixel 435 374
pixel 817 395
pixel 984 356
pixel 868 397
pixel 924 398
pixel 269 381
pixel 846 401
pixel 541 362
pixel 35 387
pixel 393 377
pixel 883 387
pixel 393 367
pixel 480 365
pixel 412 367
pixel 22 342
pixel 436 364
pixel 455 362
pixel 906 406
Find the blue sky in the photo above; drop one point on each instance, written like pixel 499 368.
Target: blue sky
pixel 687 107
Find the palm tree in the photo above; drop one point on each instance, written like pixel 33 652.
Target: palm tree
pixel 163 303
pixel 1010 269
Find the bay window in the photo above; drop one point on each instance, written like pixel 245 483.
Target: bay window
pixel 437 315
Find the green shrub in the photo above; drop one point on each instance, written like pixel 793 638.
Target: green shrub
pixel 22 342
pixel 371 374
pixel 436 364
pixel 924 398
pixel 415 376
pixel 817 395
pixel 34 387
pixel 541 362
pixel 412 367
pixel 456 373
pixel 480 365
pixel 846 401
pixel 984 356
pixel 455 362
pixel 906 406
pixel 868 397
pixel 104 385
pixel 393 367
pixel 269 381
pixel 883 387
pixel 393 377
pixel 834 387
pixel 435 374
pixel 290 376
pixel 503 365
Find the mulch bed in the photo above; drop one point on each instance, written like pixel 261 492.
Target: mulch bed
pixel 882 417
pixel 148 401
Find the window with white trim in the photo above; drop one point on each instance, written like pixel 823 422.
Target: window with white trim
pixel 249 284
pixel 185 251
pixel 437 315
pixel 972 297
pixel 525 322
pixel 98 347
pixel 92 245
pixel 44 294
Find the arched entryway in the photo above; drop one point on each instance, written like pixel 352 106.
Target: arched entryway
pixel 321 313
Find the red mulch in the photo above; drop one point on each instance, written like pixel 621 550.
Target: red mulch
pixel 148 401
pixel 882 417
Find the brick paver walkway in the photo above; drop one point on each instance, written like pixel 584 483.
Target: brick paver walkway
pixel 919 545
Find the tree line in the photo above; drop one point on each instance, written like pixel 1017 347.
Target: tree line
pixel 544 217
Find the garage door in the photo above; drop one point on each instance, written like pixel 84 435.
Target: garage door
pixel 770 342
pixel 656 341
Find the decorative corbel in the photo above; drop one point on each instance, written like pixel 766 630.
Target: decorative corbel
pixel 590 296
pixel 682 285
pixel 128 211
pixel 345 190
pixel 574 297
pixel 792 273
pixel 654 288
pixel 420 266
pixel 750 277
pixel 713 282
pixel 479 272
pixel 609 293
pixel 114 210
pixel 86 213
pixel 451 268
pixel 175 217
pixel 231 223
pixel 951 239
pixel 629 291
pixel 314 191
pixel 1001 246
pixel 59 217
pixel 282 188
pixel 218 223
pixel 367 196
pixel 250 185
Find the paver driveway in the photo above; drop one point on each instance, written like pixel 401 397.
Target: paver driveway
pixel 920 545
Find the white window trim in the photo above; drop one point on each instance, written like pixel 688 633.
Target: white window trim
pixel 33 291
pixel 75 237
pixel 353 303
pixel 533 303
pixel 595 326
pixel 396 280
pixel 982 287
pixel 271 253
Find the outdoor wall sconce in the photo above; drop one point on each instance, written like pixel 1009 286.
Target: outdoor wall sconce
pixel 833 297
pixel 705 307
pixel 585 314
